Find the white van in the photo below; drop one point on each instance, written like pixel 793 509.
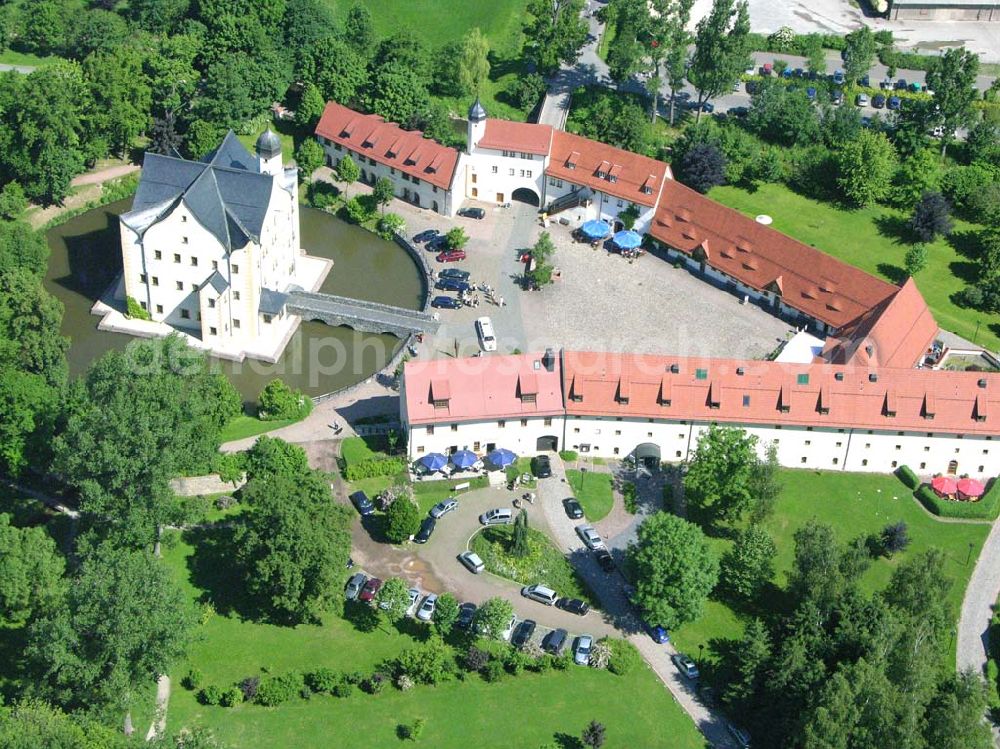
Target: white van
pixel 540 593
pixel 488 339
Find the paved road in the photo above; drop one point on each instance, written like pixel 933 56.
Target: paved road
pixel 977 606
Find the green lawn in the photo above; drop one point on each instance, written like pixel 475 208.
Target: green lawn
pixel 10 57
pixel 429 493
pixel 636 709
pixel 544 564
pixel 243 426
pixel 357 449
pixel 870 239
pixel 854 504
pixel 594 492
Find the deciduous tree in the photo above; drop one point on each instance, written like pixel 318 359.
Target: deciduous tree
pixel 675 570
pixel 859 53
pixel 749 564
pixel 722 49
pixel 953 80
pixel 865 167
pixel 445 614
pixel 270 456
pixel 671 34
pixel 393 599
pixel 32 583
pixel 473 62
pixel 719 477
pixel 554 32
pixel 309 109
pixel 931 217
pixel 347 171
pixel 383 192
pixel 915 259
pixel 402 520
pixel 309 157
pixel 703 167
pixel 493 617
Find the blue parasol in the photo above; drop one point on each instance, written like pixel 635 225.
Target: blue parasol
pixel 501 457
pixel 464 459
pixel 628 240
pixel 596 229
pixel 433 461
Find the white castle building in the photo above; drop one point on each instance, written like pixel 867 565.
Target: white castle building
pixel 211 248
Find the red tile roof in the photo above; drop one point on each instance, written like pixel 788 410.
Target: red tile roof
pixel 487 387
pixel 810 281
pixel 637 178
pixel 780 393
pixel 406 150
pixel 896 333
pixel 505 135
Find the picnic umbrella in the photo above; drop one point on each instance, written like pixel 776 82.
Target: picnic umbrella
pixel 433 461
pixel 944 486
pixel 501 457
pixel 464 459
pixel 970 488
pixel 628 240
pixel 596 229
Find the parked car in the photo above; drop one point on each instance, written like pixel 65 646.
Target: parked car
pixel 894 102
pixel 581 650
pixel 426 610
pixel 605 559
pixel 443 507
pixel 738 111
pixel 901 85
pixel 767 68
pixel 426 529
pixel 487 338
pixel 861 100
pixel 541 466
pixel 753 87
pixel 446 302
pixel 370 590
pixel 705 106
pixel 878 101
pixel 589 536
pixel 354 586
pixel 461 275
pixel 477 213
pixel 659 634
pixel 799 72
pixel 466 613
pixel 509 629
pixel 540 593
pixel 811 93
pixel 499 516
pixel 361 502
pixel 437 244
pixel 450 256
pixel 740 735
pixel 837 97
pixel 865 81
pixel 414 594
pixel 523 632
pixel 555 641
pixel 472 562
pixel 838 77
pixel 573 509
pixel 426 236
pixel 686 666
pixel 573 606
pixel 452 284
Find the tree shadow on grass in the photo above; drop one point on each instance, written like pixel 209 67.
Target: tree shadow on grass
pixel 968 244
pixel 894 227
pixel 214 571
pixel 362 617
pixel 966 271
pixel 894 273
pixel 565 741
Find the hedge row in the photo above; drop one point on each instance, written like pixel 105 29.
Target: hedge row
pixel 371 468
pixel 906 60
pixel 985 509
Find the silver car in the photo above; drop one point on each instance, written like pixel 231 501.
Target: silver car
pixel 354 586
pixel 443 508
pixel 589 536
pixel 426 610
pixel 472 562
pixel 581 650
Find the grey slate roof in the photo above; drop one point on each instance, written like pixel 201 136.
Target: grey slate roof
pixel 476 112
pixel 268 144
pixel 217 282
pixel 272 302
pixel 223 191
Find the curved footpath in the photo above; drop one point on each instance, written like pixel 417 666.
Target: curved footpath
pixel 977 606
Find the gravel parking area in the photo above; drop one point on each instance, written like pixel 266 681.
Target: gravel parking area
pixel 606 303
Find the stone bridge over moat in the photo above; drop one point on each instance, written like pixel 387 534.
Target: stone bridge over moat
pixel 366 317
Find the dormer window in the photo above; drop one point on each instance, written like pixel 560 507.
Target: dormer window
pixel 647 190
pixel 601 175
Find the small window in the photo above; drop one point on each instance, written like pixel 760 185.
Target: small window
pixel 213 331
pixel 157 255
pixel 211 303
pixel 236 295
pixel 420 449
pixel 546 422
pixel 215 265
pixel 143 305
pixel 894 464
pixel 802 379
pixel 808 442
pixel 184 220
pixel 496 169
pixel 746 401
pixel 524 422
pixel 236 324
pixel 184 240
pixel 475 447
pixel 864 462
pixel 454 427
pixel 616 451
pixel 185 314
pixel 618 433
pixel 180 286
pixel 194 262
pixel 701 374
pixel 576 430
pixel 836 461
pixel 236 268
pixel 430 430
pixel 142 278
pixel 923 465
pixel 678 453
pixel 267 319
pixel 803 459
pixel 501 424
pixel 159 309
pixel 156 281
pixel 898 447
pixel 177 257
pixel 511 172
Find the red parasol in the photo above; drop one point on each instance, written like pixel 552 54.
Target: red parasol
pixel 944 486
pixel 970 488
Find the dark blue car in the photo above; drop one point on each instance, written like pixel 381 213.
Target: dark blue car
pixel 446 302
pixel 811 93
pixel 362 503
pixel 894 102
pixel 659 634
pixel 451 284
pixel 426 236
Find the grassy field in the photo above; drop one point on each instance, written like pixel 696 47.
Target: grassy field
pixel 853 504
pixel 544 564
pixel 245 426
pixel 10 57
pixel 870 238
pixel 594 492
pixel 636 709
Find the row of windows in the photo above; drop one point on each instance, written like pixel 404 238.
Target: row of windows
pixel 501 424
pixel 155 281
pixel 517 155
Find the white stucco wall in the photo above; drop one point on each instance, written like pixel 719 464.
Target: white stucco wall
pixel 516 434
pixel 492 177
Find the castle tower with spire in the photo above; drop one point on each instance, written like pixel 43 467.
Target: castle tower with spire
pixel 477 124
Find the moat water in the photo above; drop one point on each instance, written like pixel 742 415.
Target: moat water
pixel 86 258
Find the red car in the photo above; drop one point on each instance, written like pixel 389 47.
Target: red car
pixel 370 590
pixel 450 256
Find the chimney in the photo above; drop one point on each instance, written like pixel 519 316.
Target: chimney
pixel 549 360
